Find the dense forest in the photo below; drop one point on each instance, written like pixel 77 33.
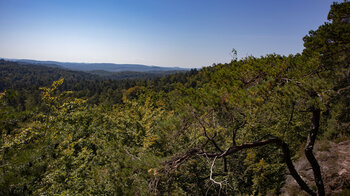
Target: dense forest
pixel 228 129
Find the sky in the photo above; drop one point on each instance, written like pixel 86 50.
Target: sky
pixel 183 33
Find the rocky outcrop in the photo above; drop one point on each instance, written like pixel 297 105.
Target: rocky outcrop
pixel 334 160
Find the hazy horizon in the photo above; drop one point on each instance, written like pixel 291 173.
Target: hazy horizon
pixel 162 33
pixel 20 59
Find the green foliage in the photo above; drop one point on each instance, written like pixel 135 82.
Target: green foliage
pixel 88 136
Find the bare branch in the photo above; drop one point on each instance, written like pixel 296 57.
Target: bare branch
pixel 233 149
pixel 340 91
pixel 211 176
pixel 234 134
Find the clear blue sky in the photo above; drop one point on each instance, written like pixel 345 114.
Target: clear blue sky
pixel 185 33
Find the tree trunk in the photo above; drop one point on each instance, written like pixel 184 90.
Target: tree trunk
pixel 309 154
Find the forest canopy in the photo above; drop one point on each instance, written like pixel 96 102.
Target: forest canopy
pixel 232 128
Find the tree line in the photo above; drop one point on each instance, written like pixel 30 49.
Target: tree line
pixel 232 128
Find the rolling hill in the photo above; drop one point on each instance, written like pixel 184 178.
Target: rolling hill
pixel 109 67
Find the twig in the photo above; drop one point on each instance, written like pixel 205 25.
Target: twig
pixel 211 175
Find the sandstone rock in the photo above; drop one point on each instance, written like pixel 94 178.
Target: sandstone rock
pixel 334 160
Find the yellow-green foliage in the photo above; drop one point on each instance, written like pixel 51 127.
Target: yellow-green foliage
pixel 112 140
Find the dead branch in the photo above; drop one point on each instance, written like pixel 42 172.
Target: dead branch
pixel 233 149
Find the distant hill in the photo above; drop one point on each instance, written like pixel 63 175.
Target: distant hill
pixel 15 74
pixel 109 67
pixel 132 74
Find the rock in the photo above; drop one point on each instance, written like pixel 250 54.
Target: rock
pixel 334 160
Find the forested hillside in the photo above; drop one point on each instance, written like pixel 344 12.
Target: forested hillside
pixel 22 82
pixel 230 129
pixel 109 67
